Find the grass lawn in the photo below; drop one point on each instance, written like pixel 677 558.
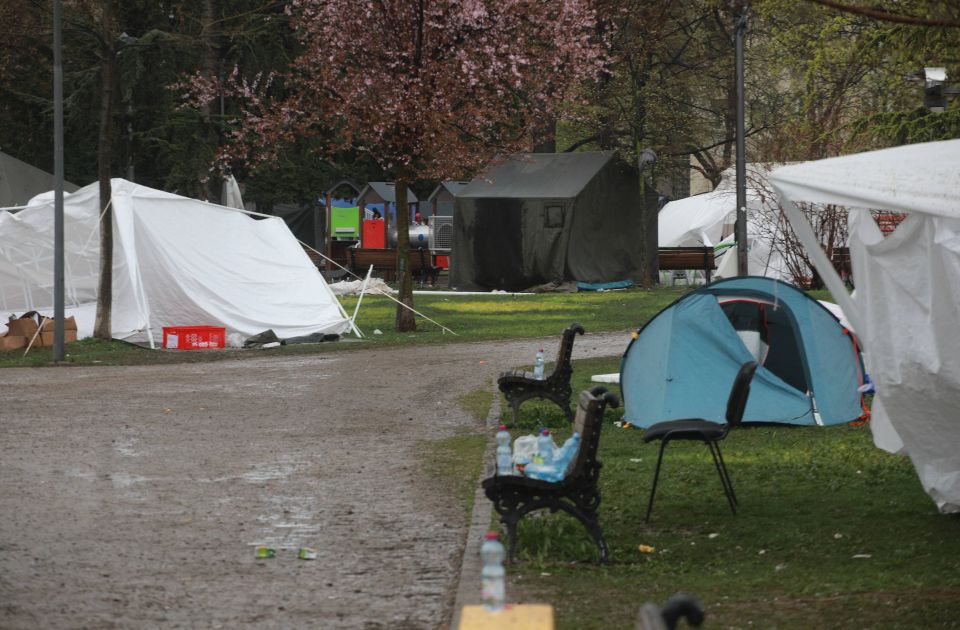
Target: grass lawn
pixel 473 318
pixel 831 533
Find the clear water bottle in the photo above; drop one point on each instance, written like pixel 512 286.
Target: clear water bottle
pixel 492 577
pixel 538 365
pixel 545 448
pixel 566 453
pixel 543 472
pixel 504 453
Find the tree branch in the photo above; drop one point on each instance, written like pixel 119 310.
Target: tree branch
pixel 579 143
pixel 886 16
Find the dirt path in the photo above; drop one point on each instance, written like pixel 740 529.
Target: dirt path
pixel 134 497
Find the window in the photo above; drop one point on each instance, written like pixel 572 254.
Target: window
pixel 553 216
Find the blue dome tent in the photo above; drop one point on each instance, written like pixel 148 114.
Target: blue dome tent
pixel 682 362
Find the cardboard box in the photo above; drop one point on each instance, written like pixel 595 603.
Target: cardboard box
pixel 46 338
pixel 69 323
pixel 12 342
pixel 22 327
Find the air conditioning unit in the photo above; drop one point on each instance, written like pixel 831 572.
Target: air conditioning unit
pixel 441 234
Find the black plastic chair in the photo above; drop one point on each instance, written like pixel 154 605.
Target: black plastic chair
pixel 707 432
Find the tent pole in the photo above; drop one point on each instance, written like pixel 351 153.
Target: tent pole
pixel 828 274
pixel 363 289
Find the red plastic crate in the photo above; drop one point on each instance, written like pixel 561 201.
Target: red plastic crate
pixel 193 337
pixel 374 233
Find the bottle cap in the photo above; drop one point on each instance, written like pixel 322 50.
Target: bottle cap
pixel 492 536
pixel 503 427
pixel 544 431
pixel 541 349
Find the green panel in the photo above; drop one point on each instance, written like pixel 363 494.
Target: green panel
pixel 345 223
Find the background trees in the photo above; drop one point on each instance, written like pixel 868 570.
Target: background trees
pixel 428 89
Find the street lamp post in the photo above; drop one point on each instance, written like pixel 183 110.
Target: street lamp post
pixel 58 255
pixel 740 228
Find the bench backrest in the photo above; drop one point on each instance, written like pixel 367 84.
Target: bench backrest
pixel 562 367
pixel 587 422
pixel 386 258
pixel 675 258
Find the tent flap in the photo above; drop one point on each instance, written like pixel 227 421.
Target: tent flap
pixel 907 293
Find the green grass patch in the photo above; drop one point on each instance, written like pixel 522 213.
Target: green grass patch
pixel 472 317
pixel 452 466
pixel 482 317
pixel 814 501
pixel 478 402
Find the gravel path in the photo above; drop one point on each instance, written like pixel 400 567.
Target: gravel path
pixel 134 496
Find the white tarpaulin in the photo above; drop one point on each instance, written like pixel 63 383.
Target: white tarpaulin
pixel 907 300
pixel 177 262
pixel 706 219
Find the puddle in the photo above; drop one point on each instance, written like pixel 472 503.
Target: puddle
pixel 125 448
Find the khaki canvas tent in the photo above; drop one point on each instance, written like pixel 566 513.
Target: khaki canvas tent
pixel 177 262
pixel 907 297
pixel 552 217
pixel 20 182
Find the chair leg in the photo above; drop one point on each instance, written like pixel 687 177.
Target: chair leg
pixel 656 477
pixel 726 473
pixel 724 480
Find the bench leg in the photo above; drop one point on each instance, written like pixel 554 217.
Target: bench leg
pixel 515 410
pixel 509 521
pixel 588 518
pixel 591 524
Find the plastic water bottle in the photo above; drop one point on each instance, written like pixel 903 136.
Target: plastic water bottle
pixel 566 453
pixel 545 448
pixel 538 365
pixel 542 472
pixel 492 588
pixel 504 453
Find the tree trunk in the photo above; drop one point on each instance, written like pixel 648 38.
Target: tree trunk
pixel 647 238
pixel 103 328
pixel 545 135
pixel 405 320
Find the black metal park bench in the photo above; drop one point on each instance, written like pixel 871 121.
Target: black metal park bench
pixel 577 494
pixel 519 386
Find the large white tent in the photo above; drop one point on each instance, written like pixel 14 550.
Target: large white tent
pixel 708 219
pixel 907 297
pixel 177 262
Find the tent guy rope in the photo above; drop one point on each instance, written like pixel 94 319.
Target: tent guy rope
pixel 409 308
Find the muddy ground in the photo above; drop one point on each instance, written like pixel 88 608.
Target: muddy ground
pixel 134 497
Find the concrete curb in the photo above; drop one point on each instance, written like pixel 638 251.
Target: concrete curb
pixel 468 589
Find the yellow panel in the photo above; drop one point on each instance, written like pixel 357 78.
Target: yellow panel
pixel 513 617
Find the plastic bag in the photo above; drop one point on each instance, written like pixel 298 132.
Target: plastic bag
pixel 524 448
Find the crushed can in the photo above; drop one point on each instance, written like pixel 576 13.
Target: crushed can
pixel 265 551
pixel 307 553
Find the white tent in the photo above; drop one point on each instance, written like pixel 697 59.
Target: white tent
pixel 177 262
pixel 708 219
pixel 907 300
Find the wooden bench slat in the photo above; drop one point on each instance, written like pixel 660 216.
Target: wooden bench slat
pixel 678 258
